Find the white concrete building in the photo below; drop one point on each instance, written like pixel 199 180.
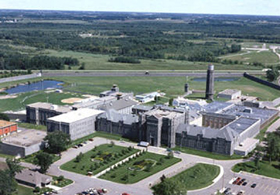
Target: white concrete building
pixel 77 123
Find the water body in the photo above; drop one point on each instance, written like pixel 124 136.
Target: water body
pixel 39 86
pixel 223 79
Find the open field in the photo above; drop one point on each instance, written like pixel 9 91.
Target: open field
pixel 139 168
pixel 98 159
pixel 32 126
pixel 198 176
pixel 31 97
pixel 94 85
pixel 172 87
pixel 265 168
pixel 264 57
pixel 100 62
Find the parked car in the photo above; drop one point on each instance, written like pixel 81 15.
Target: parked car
pixel 227 190
pixel 237 180
pixel 253 185
pixel 245 183
pixel 85 142
pixel 75 146
pixel 125 193
pixel 80 145
pixel 241 181
pixel 91 139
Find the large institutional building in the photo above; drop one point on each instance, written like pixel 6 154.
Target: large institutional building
pixel 219 127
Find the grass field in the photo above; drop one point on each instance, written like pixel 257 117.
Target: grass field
pixel 198 176
pixel 32 126
pixel 22 190
pixel 100 62
pixel 30 158
pixel 115 154
pixel 118 174
pixel 206 154
pixel 173 87
pixel 23 99
pixel 264 57
pixel 265 168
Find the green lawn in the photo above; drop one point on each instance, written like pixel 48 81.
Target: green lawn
pixel 99 134
pixel 206 154
pixel 172 86
pixel 118 174
pixel 6 155
pixel 265 168
pixel 261 135
pixel 264 57
pixel 30 158
pixel 104 156
pixel 198 176
pixel 33 126
pixel 22 190
pixel 61 183
pixel 23 99
pixel 100 62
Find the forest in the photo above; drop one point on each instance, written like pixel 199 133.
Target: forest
pixel 132 36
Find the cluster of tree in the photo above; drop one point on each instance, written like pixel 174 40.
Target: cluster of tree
pixel 8 183
pixel 56 142
pixel 122 59
pixel 5 117
pixel 169 186
pixel 273 146
pixel 272 73
pixel 24 62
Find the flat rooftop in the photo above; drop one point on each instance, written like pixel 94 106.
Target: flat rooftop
pixel 258 113
pixel 6 123
pixel 76 115
pixel 217 106
pixel 230 91
pixel 25 137
pixel 241 124
pixel 49 106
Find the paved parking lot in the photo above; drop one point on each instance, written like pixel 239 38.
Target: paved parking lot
pixel 264 185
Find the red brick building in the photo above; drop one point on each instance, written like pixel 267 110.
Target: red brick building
pixel 7 127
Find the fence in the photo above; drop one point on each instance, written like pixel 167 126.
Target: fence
pixel 258 80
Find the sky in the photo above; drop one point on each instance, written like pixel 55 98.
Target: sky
pixel 248 7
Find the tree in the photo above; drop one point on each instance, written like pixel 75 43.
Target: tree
pixel 272 74
pixel 79 157
pixel 257 158
pixel 44 160
pixel 170 102
pixel 273 146
pixel 7 182
pixel 57 141
pixel 4 117
pixel 170 187
pixel 170 155
pixel 14 166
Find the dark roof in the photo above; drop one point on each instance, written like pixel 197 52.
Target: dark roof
pixel 33 177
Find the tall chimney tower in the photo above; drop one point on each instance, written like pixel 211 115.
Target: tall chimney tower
pixel 210 82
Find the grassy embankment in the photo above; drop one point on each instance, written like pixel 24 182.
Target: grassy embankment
pixel 199 176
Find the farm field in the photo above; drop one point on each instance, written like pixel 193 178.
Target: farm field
pixel 98 159
pixel 139 168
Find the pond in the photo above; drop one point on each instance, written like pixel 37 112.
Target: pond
pixel 41 85
pixel 223 79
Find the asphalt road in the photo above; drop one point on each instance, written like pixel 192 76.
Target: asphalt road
pixel 138 74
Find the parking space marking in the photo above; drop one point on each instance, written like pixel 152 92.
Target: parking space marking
pixel 275 190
